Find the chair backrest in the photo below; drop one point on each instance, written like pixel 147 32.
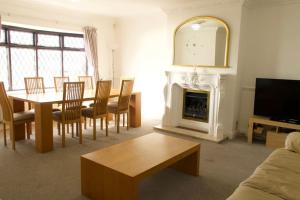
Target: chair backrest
pixel 88 82
pixel 125 94
pixel 59 83
pixel 5 105
pixel 101 97
pixel 72 101
pixel 34 85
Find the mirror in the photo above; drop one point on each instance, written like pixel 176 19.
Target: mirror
pixel 201 41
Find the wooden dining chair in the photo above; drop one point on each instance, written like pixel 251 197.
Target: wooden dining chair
pixel 71 109
pixel 11 118
pixel 34 85
pixel 88 82
pixel 99 108
pixel 122 105
pixel 59 83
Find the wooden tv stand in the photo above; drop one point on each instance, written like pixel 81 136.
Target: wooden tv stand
pixel 266 121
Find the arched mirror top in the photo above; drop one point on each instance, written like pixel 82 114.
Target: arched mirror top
pixel 201 41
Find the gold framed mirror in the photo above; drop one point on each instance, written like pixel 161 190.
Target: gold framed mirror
pixel 201 41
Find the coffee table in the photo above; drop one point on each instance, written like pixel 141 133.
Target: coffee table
pixel 113 173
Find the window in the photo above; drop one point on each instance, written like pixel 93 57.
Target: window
pixel 27 53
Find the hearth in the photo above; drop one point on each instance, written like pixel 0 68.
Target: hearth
pixel 196 105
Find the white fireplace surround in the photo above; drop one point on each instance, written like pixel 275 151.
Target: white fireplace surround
pixel 172 120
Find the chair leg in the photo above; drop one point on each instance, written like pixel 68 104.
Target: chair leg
pixel 68 131
pixel 90 122
pixel 13 136
pixel 80 132
pixel 106 125
pixel 94 128
pixel 63 135
pixel 28 132
pixel 84 122
pixel 123 119
pixel 4 134
pixel 101 123
pixel 29 128
pixel 118 123
pixel 77 128
pixel 128 120
pixel 58 128
pixel 72 129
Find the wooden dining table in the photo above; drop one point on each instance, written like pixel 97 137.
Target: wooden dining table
pixel 43 104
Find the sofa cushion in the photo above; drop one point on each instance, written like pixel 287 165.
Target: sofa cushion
pixel 278 175
pixel 249 193
pixel 292 142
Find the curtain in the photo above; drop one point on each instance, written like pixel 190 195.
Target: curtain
pixel 90 43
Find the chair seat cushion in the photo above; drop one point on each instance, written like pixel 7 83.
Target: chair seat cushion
pixel 24 116
pixel 112 107
pixel 57 115
pixel 88 112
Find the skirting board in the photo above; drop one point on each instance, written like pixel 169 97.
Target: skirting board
pixel 191 133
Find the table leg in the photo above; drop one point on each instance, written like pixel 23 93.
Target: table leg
pixel 189 164
pixel 18 106
pixel 135 110
pixel 99 182
pixel 43 127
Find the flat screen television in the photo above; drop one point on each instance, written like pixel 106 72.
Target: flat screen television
pixel 278 99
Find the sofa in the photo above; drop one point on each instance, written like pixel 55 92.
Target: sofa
pixel 277 178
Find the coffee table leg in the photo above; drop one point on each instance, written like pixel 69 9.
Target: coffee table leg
pixel 43 127
pixel 99 182
pixel 189 164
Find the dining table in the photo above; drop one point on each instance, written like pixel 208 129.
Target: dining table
pixel 43 105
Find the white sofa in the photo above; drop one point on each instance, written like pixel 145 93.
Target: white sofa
pixel 277 178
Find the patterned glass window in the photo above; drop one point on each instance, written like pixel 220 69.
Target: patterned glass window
pixel 3 66
pixel 48 40
pixel 74 64
pixel 22 65
pixel 40 53
pixel 19 37
pixel 73 42
pixel 2 36
pixel 49 65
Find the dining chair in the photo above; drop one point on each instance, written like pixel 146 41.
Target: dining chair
pixel 122 105
pixel 34 85
pixel 88 82
pixel 59 83
pixel 99 108
pixel 11 118
pixel 71 109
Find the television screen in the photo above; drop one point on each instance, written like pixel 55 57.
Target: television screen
pixel 278 99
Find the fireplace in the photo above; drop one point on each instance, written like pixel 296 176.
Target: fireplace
pixel 195 109
pixel 196 105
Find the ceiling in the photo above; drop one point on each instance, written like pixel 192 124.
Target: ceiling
pixel 114 7
pixel 129 7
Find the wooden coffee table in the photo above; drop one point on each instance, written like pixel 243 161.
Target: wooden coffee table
pixel 113 173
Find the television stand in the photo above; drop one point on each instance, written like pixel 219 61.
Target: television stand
pixel 267 121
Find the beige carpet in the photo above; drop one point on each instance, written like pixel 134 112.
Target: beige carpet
pixel 25 174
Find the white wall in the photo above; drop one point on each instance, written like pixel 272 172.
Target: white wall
pixel 272 46
pixel 141 54
pixel 51 18
pixel 146 49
